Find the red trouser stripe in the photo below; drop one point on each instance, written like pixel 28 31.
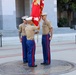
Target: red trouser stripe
pixel 33 54
pixel 48 49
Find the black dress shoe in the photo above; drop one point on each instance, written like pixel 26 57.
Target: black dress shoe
pixel 45 64
pixel 25 62
pixel 33 66
pixel 42 63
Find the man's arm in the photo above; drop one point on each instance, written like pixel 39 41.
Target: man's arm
pixel 20 37
pixel 51 33
pixel 36 27
pixel 50 29
pixel 36 32
pixel 20 30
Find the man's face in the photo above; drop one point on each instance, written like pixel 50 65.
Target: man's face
pixel 30 22
pixel 24 21
pixel 44 17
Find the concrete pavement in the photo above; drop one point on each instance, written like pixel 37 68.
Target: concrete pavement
pixel 61 30
pixel 63 48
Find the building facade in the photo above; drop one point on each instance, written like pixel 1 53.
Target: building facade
pixel 11 12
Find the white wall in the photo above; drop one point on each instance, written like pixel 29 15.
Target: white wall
pixel 8 7
pixel 51 9
pixel 9 14
pixel 1 19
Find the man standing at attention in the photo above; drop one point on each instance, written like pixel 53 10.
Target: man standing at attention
pixel 30 32
pixel 22 37
pixel 47 32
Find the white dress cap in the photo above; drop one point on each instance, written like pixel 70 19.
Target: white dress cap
pixel 24 17
pixel 44 14
pixel 29 18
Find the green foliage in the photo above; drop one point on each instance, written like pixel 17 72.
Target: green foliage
pixel 60 5
pixel 62 22
pixel 65 5
pixel 73 6
pixel 65 1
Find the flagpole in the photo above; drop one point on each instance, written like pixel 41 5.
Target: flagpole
pixel 37 8
pixel 38 36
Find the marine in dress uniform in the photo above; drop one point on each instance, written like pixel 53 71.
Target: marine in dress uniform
pixel 30 32
pixel 47 32
pixel 22 37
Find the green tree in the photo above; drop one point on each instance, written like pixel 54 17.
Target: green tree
pixel 66 5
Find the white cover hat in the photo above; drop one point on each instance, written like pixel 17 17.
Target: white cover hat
pixel 43 14
pixel 24 17
pixel 29 18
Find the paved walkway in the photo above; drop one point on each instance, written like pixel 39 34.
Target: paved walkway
pixel 63 49
pixel 62 30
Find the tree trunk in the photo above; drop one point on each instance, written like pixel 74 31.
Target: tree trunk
pixel 69 18
pixel 59 14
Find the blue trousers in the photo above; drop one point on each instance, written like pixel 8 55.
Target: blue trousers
pixel 46 48
pixel 31 52
pixel 24 49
